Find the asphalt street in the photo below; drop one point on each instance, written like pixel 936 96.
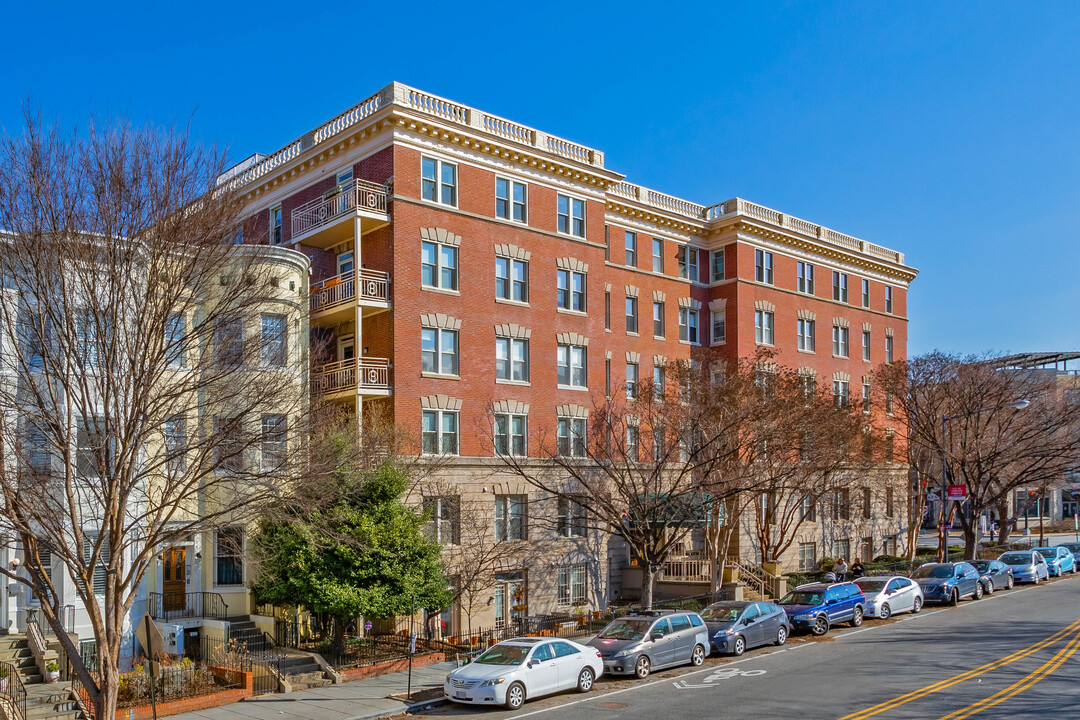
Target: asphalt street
pixel 1014 654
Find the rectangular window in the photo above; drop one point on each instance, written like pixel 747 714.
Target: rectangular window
pixel 865 293
pixel 659 444
pixel 511 279
pixel 717 265
pixel 659 381
pixel 511 200
pixel 866 345
pixel 607 377
pixel 808 510
pixel 763 327
pixel 571 216
pixel 888 300
pixel 839 341
pixel 631 315
pixel 839 286
pixel 631 381
pixel 175 443
pixel 438 181
pixel 658 255
pixel 274 349
pixel 866 505
pixel 631 248
pixel 94 449
pixel 512 359
pixel 229 342
pixel 688 264
pixel 890 501
pixel 570 290
pixel 273 445
pixel 571 522
pixel 763 266
pixel 510 434
pixel 439 351
pixel 275 225
pixel 805 280
pixel 888 348
pixel 719 326
pixel 688 325
pixel 843 512
pixel 229 556
pixel 866 397
pixel 868 548
pixel 571 437
pixel 228 444
pixel 438 266
pixel 840 392
pixel 510 517
pixel 572 584
pixel 101 566
pixel 440 432
pixel 808 556
pixel 632 443
pixel 571 366
pixel 806 335
pixel 658 319
pixel 445 523
pixel 888 402
pixel 175 352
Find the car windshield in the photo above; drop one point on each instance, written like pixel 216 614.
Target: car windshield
pixel 1050 553
pixel 1016 558
pixel 626 630
pixel 721 613
pixel 802 597
pixel 934 571
pixel 1071 547
pixel 504 655
pixel 871 586
pixel 981 565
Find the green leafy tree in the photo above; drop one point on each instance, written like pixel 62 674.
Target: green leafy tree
pixel 359 552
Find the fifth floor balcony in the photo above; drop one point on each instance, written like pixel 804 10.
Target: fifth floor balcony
pixel 328 220
pixel 334 300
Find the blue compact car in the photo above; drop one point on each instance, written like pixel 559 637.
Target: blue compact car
pixel 948 582
pixel 1059 560
pixel 1027 565
pixel 819 606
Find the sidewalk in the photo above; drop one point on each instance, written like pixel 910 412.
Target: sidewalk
pixel 356 700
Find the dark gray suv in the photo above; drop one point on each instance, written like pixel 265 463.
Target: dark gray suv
pixel 641 642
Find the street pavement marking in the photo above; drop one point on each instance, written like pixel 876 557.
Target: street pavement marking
pixel 956 679
pixel 721 673
pixel 1019 686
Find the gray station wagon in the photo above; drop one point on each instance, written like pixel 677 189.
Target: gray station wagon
pixel 641 642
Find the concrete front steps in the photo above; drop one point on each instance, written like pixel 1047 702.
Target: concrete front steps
pixel 44 701
pixel 299 668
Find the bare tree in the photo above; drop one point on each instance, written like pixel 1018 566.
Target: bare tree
pixel 155 380
pixel 990 446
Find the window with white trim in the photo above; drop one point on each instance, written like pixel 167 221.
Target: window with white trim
pixel 438 181
pixel 866 345
pixel 439 432
pixel 175 351
pixel 633 444
pixel 688 262
pixel 840 392
pixel 274 350
pixel 658 255
pixel 804 282
pixel 631 315
pixel 571 365
pixel 659 381
pixel 439 351
pixel 688 325
pixel 510 517
pixel 273 444
pixel 717 265
pixel 438 266
pixel 512 279
pixel 572 584
pixel 228 557
pixel 658 319
pixel 631 380
pixel 571 216
pixel 805 330
pixel 275 225
pixel 511 434
pixel 840 286
pixel 570 436
pixel 763 327
pixel 511 200
pixel 631 248
pixel 888 299
pixel 888 348
pixel 570 290
pixel 445 522
pixel 571 521
pixel 512 359
pixel 866 397
pixel 763 266
pixel 175 443
pixel 719 326
pixel 865 293
pixel 839 341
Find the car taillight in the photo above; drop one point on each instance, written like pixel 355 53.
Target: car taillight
pixel 598 654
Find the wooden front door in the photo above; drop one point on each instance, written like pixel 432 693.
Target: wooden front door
pixel 174 578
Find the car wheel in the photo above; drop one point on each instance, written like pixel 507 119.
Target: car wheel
pixel 781 635
pixel 642 667
pixel 978 593
pixel 989 587
pixel 917 606
pixel 821 625
pixel 585 680
pixel 1036 581
pixel 515 696
pixel 856 617
pixel 954 598
pixel 884 612
pixel 738 645
pixel 1011 583
pixel 698 656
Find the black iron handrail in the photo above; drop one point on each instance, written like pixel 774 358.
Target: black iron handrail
pixel 177 606
pixel 11 686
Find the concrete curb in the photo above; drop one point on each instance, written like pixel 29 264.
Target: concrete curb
pixel 407 709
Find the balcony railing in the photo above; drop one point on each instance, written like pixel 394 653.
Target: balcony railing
pixel 176 606
pixel 359 374
pixel 374 287
pixel 359 195
pixel 687 570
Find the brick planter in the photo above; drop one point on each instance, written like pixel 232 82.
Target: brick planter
pixel 388 667
pixel 201 702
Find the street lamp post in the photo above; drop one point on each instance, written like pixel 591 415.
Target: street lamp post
pixel 1016 405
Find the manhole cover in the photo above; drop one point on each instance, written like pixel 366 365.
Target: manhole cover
pixel 611 705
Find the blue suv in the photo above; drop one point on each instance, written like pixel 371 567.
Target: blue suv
pixel 819 606
pixel 948 582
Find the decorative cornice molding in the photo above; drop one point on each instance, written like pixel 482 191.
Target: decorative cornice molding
pixel 513 330
pixel 572 410
pixel 440 402
pixel 571 338
pixel 512 251
pixel 440 235
pixel 440 320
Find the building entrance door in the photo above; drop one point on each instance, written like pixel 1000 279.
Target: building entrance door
pixel 510 600
pixel 174 578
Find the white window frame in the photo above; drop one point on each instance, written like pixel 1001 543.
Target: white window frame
pixel 763 266
pixel 631 307
pixel 273 442
pixel 567 297
pixel 572 519
pixel 513 434
pixel 572 585
pixel 442 339
pixel 438 267
pixel 659 319
pixel 511 366
pixel 565 356
pixel 569 219
pixel 630 249
pixel 889 299
pixel 438 185
pixel 764 327
pixel 633 377
pixel 865 293
pixel 841 392
pixel 689 327
pixel 510 205
pixel 717 277
pixel 571 436
pixel 718 338
pixel 440 433
pixel 840 286
pixel 511 517
pixel 658 255
pixel 866 345
pixel 804 279
pixel 805 330
pixel 277 232
pixel 840 341
pixel 889 348
pixel 511 284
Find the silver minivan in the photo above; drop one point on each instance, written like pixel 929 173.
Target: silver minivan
pixel 649 640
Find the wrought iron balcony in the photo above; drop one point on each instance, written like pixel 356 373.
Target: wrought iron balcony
pixel 318 222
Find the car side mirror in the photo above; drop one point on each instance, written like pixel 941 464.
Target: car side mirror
pixel 529 664
pixel 657 635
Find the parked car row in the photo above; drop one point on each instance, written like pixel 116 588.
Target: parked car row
pixel 636 644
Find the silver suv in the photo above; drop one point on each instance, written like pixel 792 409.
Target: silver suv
pixel 649 640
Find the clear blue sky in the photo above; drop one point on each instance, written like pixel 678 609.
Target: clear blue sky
pixel 950 131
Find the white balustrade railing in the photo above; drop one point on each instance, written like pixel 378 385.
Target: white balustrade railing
pixel 348 118
pixel 687 570
pixel 357 195
pixel 357 374
pixel 373 285
pixel 437 106
pixel 509 130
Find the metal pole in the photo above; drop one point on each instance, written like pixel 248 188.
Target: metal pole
pixel 944 490
pixel 150 666
pixel 412 641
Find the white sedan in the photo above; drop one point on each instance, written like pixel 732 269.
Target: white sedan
pixel 521 668
pixel 889 595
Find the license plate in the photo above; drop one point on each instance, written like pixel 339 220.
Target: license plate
pixel 461 696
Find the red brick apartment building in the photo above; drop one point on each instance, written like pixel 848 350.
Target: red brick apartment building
pixel 461 261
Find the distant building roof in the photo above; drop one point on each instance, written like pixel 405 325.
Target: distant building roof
pixel 1036 360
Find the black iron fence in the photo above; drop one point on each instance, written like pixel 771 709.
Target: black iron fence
pixel 177 606
pixel 12 689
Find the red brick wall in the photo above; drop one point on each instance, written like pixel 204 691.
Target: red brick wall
pixel 385 668
pixel 176 707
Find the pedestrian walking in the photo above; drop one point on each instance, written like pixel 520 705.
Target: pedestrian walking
pixel 857 569
pixel 841 569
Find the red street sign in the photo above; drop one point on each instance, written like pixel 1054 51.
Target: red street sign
pixel 957 492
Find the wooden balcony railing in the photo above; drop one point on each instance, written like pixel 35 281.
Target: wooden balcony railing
pixel 357 374
pixel 373 286
pixel 358 195
pixel 687 570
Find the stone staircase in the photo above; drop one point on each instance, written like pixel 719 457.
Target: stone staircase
pixel 44 701
pixel 298 668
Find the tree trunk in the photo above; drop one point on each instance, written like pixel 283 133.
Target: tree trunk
pixel 338 644
pixel 1004 528
pixel 647 578
pixel 108 684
